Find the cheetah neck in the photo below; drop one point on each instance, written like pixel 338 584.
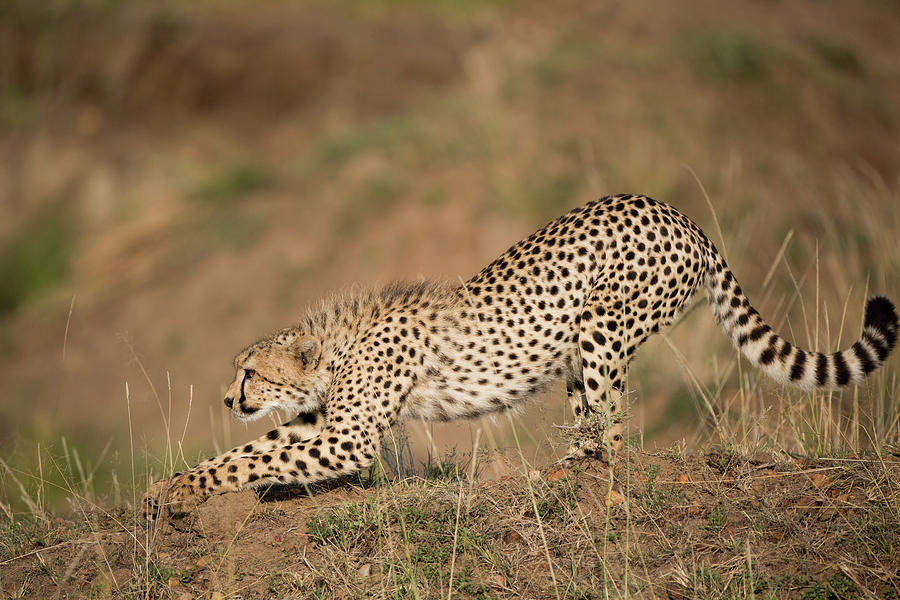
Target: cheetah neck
pixel 339 321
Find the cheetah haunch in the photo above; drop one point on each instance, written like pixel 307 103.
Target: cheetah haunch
pixel 575 299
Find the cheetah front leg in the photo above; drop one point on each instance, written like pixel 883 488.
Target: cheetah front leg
pixel 317 459
pixel 179 493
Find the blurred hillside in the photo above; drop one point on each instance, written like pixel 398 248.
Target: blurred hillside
pixel 177 181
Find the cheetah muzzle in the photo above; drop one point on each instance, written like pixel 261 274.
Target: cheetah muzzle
pixel 575 300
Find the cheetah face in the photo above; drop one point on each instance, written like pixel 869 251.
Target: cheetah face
pixel 278 373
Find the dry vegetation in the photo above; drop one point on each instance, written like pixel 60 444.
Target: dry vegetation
pixel 661 525
pixel 177 180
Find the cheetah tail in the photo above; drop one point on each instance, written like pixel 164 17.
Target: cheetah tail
pixel 788 364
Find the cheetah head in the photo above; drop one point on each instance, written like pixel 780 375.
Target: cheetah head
pixel 278 373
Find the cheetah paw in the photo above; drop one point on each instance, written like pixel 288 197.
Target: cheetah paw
pixel 578 454
pixel 173 497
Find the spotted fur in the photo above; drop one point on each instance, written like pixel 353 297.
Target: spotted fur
pixel 574 300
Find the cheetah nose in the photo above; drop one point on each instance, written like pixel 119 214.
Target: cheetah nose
pixel 228 401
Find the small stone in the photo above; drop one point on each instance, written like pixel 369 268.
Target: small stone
pixel 819 480
pixel 805 502
pixel 683 478
pixel 364 570
pixel 174 582
pixel 512 537
pixel 534 475
pixel 760 458
pixel 497 580
pixel 613 497
pixel 673 592
pixel 217 596
pixel 558 474
pixel 202 562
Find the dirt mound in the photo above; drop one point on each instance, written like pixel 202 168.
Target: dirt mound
pixel 669 525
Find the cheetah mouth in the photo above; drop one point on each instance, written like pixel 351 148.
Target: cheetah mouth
pixel 248 415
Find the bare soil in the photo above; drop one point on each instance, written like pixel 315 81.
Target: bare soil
pixel 655 526
pixel 218 168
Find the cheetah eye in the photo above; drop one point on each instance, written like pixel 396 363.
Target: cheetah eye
pixel 249 373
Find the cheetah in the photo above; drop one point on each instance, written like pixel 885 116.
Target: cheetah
pixel 574 300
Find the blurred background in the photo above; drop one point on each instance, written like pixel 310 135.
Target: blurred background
pixel 179 179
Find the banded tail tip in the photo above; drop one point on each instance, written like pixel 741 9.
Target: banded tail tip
pixel 881 315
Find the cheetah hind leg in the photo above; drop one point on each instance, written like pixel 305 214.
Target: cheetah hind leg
pixel 597 401
pixel 598 431
pixel 582 443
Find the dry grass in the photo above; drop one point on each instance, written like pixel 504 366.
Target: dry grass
pixel 684 526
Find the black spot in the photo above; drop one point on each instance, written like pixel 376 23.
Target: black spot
pixel 881 315
pixel 821 369
pixel 253 477
pixel 841 372
pixel 797 369
pixel 758 332
pixel 880 351
pixel 862 355
pixel 767 356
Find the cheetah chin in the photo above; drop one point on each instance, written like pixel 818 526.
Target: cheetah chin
pixel 573 301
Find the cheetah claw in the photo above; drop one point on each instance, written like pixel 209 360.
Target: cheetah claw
pixel 173 497
pixel 579 455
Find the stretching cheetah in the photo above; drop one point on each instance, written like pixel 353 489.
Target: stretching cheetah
pixel 575 300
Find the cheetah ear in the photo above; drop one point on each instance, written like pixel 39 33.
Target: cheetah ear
pixel 308 349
